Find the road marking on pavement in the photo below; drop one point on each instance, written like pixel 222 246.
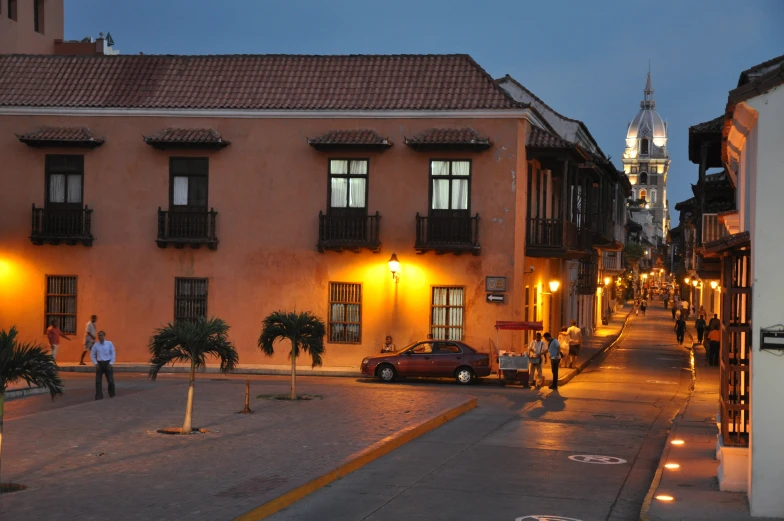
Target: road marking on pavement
pixel 661 382
pixel 598 460
pixel 546 518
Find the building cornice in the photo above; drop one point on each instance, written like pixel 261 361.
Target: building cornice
pixel 273 114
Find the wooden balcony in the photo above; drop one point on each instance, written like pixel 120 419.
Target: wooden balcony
pixel 53 226
pixel 556 238
pixel 193 228
pixel 613 261
pixel 587 275
pixel 449 234
pixel 340 232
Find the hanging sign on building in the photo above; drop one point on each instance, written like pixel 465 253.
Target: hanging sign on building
pixel 495 284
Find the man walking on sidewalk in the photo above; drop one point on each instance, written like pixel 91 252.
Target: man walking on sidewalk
pixel 575 342
pixel 680 330
pixel 714 343
pixel 536 353
pixel 102 355
pixel 54 334
pixel 90 336
pixel 554 347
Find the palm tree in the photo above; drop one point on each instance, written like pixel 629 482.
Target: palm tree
pixel 304 330
pixel 192 342
pixel 29 362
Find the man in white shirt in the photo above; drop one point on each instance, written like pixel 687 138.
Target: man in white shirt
pixel 536 353
pixel 575 342
pixel 102 355
pixel 90 336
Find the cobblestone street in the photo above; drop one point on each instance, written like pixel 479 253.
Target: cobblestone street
pixel 103 460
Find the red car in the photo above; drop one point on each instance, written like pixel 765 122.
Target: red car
pixel 440 358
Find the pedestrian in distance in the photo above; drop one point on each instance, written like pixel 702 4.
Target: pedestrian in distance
pixel 680 330
pixel 636 307
pixel 666 299
pixel 575 342
pixel 90 336
pixel 677 314
pixel 554 348
pixel 643 306
pixel 102 355
pixel 388 346
pixel 537 350
pixel 54 334
pixel 714 323
pixel 563 340
pixel 700 326
pixel 685 304
pixel 714 343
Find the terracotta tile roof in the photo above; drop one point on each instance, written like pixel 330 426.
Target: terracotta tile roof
pixel 449 136
pixel 714 125
pixel 189 136
pixel 251 82
pixel 348 138
pixel 56 136
pixel 540 138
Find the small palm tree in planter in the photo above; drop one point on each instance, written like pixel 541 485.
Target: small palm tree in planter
pixel 192 342
pixel 304 331
pixel 29 362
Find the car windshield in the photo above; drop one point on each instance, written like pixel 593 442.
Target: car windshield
pixel 409 347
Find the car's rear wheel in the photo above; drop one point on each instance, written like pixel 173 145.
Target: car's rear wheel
pixel 386 373
pixel 464 375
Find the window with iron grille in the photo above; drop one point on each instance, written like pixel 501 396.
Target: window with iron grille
pixel 447 312
pixel 190 299
pixel 61 302
pixel 345 313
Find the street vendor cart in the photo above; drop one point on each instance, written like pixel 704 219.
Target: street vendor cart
pixel 513 367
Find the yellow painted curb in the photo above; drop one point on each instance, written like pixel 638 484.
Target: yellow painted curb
pixel 381 448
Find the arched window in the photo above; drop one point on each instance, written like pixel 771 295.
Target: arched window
pixel 653 195
pixel 643 194
pixel 644 178
pixel 644 147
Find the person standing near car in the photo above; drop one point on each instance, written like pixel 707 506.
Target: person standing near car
pixel 536 353
pixel 388 346
pixel 554 348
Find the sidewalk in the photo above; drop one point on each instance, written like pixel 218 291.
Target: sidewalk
pixel 694 485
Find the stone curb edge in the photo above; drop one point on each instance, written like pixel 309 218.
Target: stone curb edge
pixel 25 391
pixel 138 368
pixel 646 504
pixel 357 461
pixel 579 369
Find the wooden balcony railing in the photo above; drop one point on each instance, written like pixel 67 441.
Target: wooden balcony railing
pixel 613 261
pixel 187 227
pixel 712 229
pixel 552 237
pixel 53 226
pixel 338 232
pixel 447 234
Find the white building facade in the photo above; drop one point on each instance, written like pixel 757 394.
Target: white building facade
pixel 646 162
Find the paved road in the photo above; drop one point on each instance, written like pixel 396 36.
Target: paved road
pixel 510 457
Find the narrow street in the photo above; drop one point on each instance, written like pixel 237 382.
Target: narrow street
pixel 522 453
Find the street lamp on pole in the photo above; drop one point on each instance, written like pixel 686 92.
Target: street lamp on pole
pixel 554 285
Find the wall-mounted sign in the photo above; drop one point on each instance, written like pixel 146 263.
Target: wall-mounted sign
pixel 495 284
pixel 495 298
pixel 772 338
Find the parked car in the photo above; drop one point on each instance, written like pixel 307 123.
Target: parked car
pixel 438 358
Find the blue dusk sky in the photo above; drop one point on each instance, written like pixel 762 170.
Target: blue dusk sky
pixel 587 60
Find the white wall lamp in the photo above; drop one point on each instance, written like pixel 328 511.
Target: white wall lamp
pixel 394 267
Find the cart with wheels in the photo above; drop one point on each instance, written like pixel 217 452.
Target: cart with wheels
pixel 513 367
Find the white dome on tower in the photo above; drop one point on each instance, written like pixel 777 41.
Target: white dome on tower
pixel 649 126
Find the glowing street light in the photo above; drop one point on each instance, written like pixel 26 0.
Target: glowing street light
pixel 687 280
pixel 714 284
pixel 394 267
pixel 607 281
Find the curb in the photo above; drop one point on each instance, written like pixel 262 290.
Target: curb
pixel 580 367
pixel 134 368
pixel 357 461
pixel 646 504
pixel 14 394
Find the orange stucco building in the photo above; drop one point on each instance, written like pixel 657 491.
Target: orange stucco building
pixel 267 184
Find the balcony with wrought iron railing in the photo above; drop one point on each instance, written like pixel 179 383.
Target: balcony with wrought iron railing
pixel 548 238
pixel 348 232
pixel 181 228
pixel 55 226
pixel 455 234
pixel 587 275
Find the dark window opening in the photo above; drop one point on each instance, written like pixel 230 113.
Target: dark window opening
pixel 345 313
pixel 61 302
pixel 64 181
pixel 188 183
pixel 38 16
pixel 12 9
pixel 190 299
pixel 644 147
pixel 644 178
